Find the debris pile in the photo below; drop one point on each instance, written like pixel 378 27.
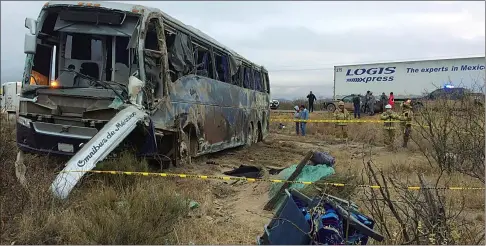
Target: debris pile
pixel 321 220
pixel 325 219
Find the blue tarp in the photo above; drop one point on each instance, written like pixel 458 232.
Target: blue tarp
pixel 308 173
pixel 293 225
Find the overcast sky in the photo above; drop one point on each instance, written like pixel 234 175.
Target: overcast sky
pixel 303 36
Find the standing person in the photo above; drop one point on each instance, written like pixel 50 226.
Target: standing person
pixel 383 101
pixel 388 126
pixel 366 102
pixel 372 102
pixel 406 117
pixel 391 100
pixel 297 117
pixel 304 115
pixel 311 97
pixel 341 114
pixel 357 106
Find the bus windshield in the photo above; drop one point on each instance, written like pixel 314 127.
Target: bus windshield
pixel 74 48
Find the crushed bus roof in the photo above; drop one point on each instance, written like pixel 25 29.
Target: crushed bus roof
pixel 190 29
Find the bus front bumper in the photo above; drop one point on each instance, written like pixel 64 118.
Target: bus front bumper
pixel 48 138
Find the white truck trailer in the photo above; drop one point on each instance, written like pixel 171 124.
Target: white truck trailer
pixel 409 78
pixel 10 92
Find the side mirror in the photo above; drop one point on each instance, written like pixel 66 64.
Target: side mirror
pixel 31 24
pixel 30 43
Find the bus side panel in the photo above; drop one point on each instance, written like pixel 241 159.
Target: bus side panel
pixel 220 113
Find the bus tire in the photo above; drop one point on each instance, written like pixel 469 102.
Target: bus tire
pixel 250 137
pixel 255 133
pixel 260 133
pixel 189 145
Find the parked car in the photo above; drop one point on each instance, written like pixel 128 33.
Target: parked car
pixel 274 104
pixel 451 95
pixel 348 104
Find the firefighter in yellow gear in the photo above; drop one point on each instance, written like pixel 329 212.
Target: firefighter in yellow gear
pixel 341 127
pixel 389 128
pixel 406 117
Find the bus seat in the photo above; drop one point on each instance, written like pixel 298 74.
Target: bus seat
pixel 121 73
pixel 91 69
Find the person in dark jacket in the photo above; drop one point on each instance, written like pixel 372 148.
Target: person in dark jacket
pixel 383 101
pixel 311 97
pixel 357 106
pixel 366 102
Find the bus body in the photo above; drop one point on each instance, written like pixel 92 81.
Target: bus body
pixel 10 92
pixel 201 96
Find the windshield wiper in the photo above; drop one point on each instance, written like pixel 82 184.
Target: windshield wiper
pixel 102 84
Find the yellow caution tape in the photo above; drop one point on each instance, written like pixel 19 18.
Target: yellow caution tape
pixel 343 121
pixel 195 176
pixel 336 121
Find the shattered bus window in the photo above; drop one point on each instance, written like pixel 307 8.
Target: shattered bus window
pixel 258 80
pixel 42 65
pixel 180 53
pixel 248 79
pixel 83 47
pixel 151 39
pixel 267 83
pixel 169 41
pixel 222 67
pixel 153 56
pixel 83 54
pixel 237 78
pixel 204 61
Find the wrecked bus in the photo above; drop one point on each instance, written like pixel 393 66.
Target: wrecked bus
pixel 201 97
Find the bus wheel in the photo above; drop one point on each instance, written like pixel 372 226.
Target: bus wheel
pixel 260 133
pixel 255 134
pixel 189 145
pixel 249 139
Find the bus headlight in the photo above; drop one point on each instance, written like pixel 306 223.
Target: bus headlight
pixel 24 121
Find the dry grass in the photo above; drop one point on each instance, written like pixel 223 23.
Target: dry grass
pixel 107 209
